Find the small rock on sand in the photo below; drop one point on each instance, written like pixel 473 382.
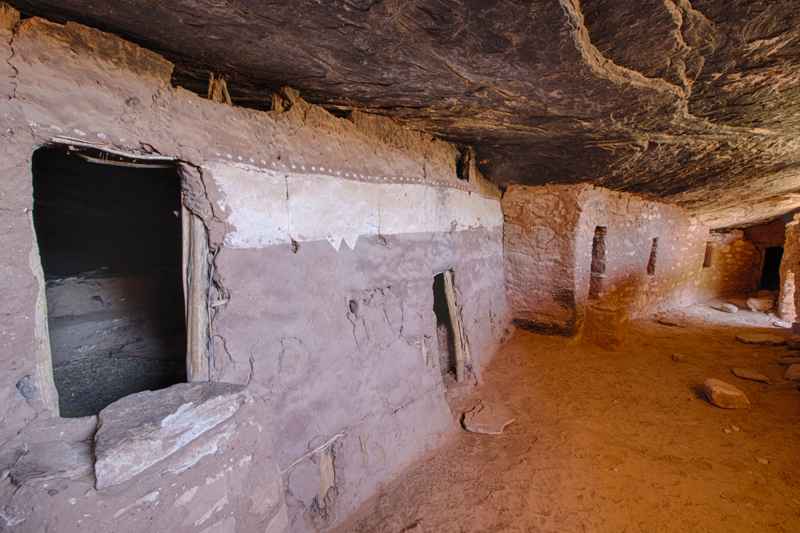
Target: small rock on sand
pixel 793 373
pixel 752 375
pixel 765 339
pixel 672 322
pixel 679 358
pixel 761 303
pixel 726 307
pixel 724 394
pixel 487 419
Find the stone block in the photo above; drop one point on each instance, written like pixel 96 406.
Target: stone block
pixel 143 429
pixel 764 339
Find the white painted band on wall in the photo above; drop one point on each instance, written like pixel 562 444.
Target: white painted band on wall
pixel 268 207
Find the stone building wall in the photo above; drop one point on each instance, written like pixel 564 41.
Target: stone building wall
pixel 632 223
pixel 735 266
pixel 325 236
pixel 790 267
pixel 549 246
pixel 767 234
pixel 539 247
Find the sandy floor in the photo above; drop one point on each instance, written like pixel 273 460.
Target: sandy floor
pixel 615 441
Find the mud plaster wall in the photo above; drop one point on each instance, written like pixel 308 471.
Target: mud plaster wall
pixel 327 234
pixel 735 266
pixel 548 249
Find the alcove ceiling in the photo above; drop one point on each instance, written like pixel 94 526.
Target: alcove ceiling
pixel 693 102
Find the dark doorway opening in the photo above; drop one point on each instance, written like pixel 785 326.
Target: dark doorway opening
pixel 598 267
pixel 651 262
pixel 708 255
pixel 770 275
pixel 109 235
pixel 444 328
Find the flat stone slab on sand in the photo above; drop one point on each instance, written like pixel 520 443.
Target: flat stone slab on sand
pixel 671 322
pixel 761 304
pixel 765 339
pixel 487 419
pixel 752 375
pixel 724 394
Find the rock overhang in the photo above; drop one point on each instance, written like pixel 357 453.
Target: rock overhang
pixel 695 103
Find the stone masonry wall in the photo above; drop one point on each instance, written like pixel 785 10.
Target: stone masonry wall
pixel 790 267
pixel 326 235
pixel 735 266
pixel 632 223
pixel 767 234
pixel 549 235
pixel 539 249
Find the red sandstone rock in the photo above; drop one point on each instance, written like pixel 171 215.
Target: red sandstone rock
pixel 761 304
pixel 765 339
pixel 726 307
pixel 752 375
pixel 724 394
pixel 487 419
pixel 707 90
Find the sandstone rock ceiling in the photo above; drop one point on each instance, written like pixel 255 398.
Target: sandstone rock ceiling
pixel 695 102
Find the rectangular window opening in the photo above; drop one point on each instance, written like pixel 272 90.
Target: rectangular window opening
pixel 651 262
pixel 707 258
pixel 444 328
pixel 463 163
pixel 598 266
pixel 109 235
pixel 453 351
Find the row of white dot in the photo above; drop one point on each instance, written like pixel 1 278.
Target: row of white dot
pixel 292 166
pixel 331 171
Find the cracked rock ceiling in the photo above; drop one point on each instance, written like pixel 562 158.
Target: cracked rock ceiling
pixel 694 102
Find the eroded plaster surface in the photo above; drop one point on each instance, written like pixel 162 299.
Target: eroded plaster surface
pixel 334 344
